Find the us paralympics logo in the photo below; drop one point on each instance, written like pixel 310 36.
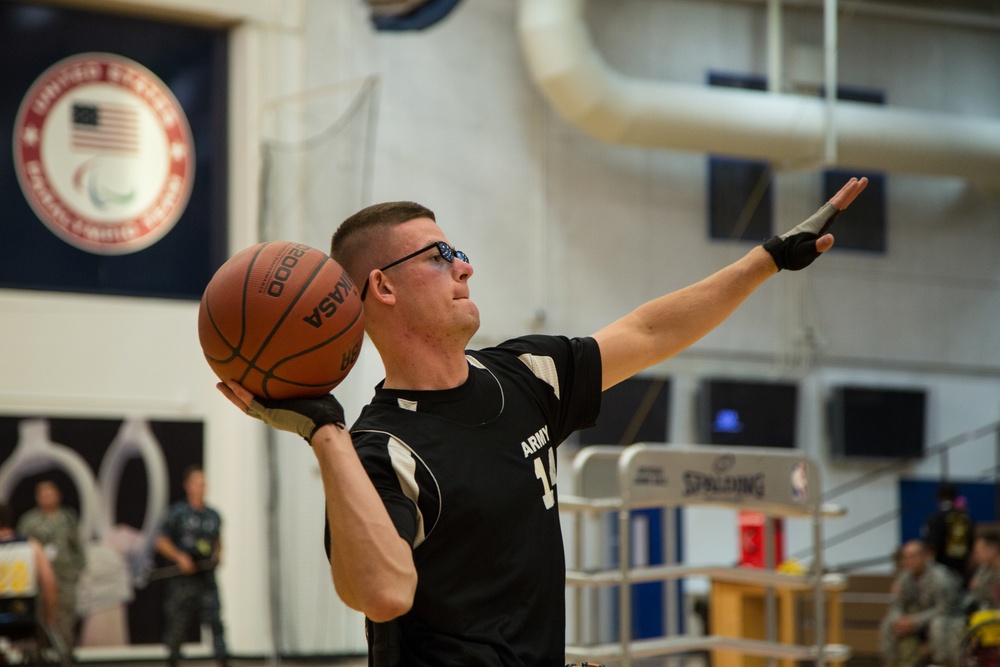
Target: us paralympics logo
pixel 104 153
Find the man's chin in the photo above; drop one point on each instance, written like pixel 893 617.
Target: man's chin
pixel 472 320
pixel 474 323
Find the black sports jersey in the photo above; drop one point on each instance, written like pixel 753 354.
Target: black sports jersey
pixel 468 476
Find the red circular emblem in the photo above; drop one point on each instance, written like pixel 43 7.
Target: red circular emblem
pixel 104 153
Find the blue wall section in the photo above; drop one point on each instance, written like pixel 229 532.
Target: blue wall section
pixel 917 502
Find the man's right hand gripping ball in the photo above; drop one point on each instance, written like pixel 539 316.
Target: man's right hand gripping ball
pixel 798 248
pixel 303 416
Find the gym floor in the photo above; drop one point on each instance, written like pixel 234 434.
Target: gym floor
pixel 350 661
pixel 355 661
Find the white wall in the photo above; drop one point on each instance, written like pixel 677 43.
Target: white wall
pixel 565 234
pixel 82 355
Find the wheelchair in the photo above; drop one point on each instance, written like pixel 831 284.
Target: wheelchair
pixel 980 645
pixel 25 639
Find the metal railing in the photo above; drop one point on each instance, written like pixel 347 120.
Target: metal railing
pixel 942 450
pixel 778 483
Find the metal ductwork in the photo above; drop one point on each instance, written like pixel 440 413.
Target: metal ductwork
pixel 788 130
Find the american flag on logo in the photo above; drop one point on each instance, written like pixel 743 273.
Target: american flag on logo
pixel 105 127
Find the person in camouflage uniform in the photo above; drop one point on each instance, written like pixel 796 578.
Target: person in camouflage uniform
pixel 190 537
pixel 984 587
pixel 925 609
pixel 57 529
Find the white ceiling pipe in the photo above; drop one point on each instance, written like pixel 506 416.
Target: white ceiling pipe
pixel 785 129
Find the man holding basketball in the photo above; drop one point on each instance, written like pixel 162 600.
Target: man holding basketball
pixel 442 512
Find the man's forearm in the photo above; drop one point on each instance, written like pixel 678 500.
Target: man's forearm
pixel 166 548
pixel 371 565
pixel 661 328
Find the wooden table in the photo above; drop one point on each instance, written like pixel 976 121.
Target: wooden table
pixel 739 610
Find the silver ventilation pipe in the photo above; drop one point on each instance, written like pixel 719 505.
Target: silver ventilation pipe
pixel 788 130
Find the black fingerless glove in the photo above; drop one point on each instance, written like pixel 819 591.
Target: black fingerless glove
pixel 796 249
pixel 298 415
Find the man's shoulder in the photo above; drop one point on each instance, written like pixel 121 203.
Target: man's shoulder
pixel 29 516
pixel 562 350
pixel 177 509
pixel 942 575
pixel 936 569
pixel 937 516
pixel 532 343
pixel 377 425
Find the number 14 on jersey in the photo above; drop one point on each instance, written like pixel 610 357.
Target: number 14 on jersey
pixel 548 478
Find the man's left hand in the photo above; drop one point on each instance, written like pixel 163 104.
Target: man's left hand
pixel 801 246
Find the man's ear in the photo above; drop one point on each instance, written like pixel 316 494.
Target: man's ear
pixel 380 287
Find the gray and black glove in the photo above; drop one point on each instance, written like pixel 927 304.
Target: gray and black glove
pixel 298 415
pixel 796 249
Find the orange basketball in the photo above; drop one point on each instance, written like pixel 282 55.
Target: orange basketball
pixel 282 319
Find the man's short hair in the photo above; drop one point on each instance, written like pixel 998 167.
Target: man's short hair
pixel 992 538
pixel 947 491
pixel 190 470
pixel 5 518
pixel 356 245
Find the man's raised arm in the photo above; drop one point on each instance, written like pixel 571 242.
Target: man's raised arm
pixel 664 326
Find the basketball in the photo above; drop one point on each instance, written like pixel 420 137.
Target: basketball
pixel 282 319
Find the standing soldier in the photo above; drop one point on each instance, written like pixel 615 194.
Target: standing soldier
pixel 190 537
pixel 56 528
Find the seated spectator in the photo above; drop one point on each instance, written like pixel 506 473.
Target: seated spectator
pixel 924 615
pixel 28 578
pixel 984 587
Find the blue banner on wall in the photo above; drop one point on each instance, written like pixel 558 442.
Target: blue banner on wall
pixel 114 179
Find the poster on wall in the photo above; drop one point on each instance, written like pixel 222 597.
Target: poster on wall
pixel 118 476
pixel 113 134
